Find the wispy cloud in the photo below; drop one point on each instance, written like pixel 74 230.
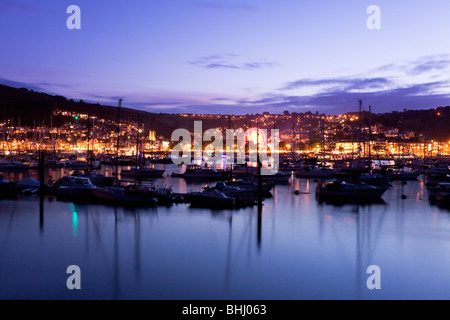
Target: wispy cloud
pixel 229 61
pixel 420 66
pixel 412 96
pixel 221 99
pixel 341 83
pixel 419 83
pixel 428 64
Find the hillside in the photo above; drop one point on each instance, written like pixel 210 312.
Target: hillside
pixel 30 107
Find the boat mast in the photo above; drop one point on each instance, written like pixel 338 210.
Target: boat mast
pixel 259 223
pixel 231 143
pixel 117 144
pixel 258 160
pixel 137 150
pixel 360 129
pixel 52 136
pixel 322 138
pixel 370 132
pixel 88 153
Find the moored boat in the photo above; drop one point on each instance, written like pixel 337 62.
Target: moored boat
pixel 142 173
pixel 198 172
pixel 213 199
pixel 404 175
pixel 231 191
pixel 100 180
pixel 73 187
pixel 130 195
pixel 80 164
pixel 250 185
pixel 314 172
pixel 27 186
pixel 280 176
pixel 338 188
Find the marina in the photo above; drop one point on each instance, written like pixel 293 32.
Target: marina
pixel 229 152
pixel 296 245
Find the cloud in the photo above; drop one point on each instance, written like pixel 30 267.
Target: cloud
pixel 221 99
pixel 415 84
pixel 429 64
pixel 422 65
pixel 338 101
pixel 229 61
pixel 342 83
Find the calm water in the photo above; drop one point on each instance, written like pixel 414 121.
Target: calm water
pixel 301 249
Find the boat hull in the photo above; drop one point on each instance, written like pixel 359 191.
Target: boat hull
pixel 341 189
pixel 142 174
pixel 204 199
pixel 351 193
pixel 119 196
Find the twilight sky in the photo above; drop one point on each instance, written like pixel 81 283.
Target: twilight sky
pixel 231 56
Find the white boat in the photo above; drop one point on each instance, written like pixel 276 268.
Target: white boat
pixel 98 179
pixel 342 189
pixel 75 187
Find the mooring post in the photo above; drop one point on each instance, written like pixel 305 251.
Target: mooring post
pixel 41 171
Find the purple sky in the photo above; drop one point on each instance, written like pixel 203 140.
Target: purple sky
pixel 229 56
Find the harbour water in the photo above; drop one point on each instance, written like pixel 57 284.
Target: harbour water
pixel 296 248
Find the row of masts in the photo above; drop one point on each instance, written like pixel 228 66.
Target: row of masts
pixel 41 133
pixel 363 137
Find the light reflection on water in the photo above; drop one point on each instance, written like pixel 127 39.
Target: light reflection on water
pixel 299 249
